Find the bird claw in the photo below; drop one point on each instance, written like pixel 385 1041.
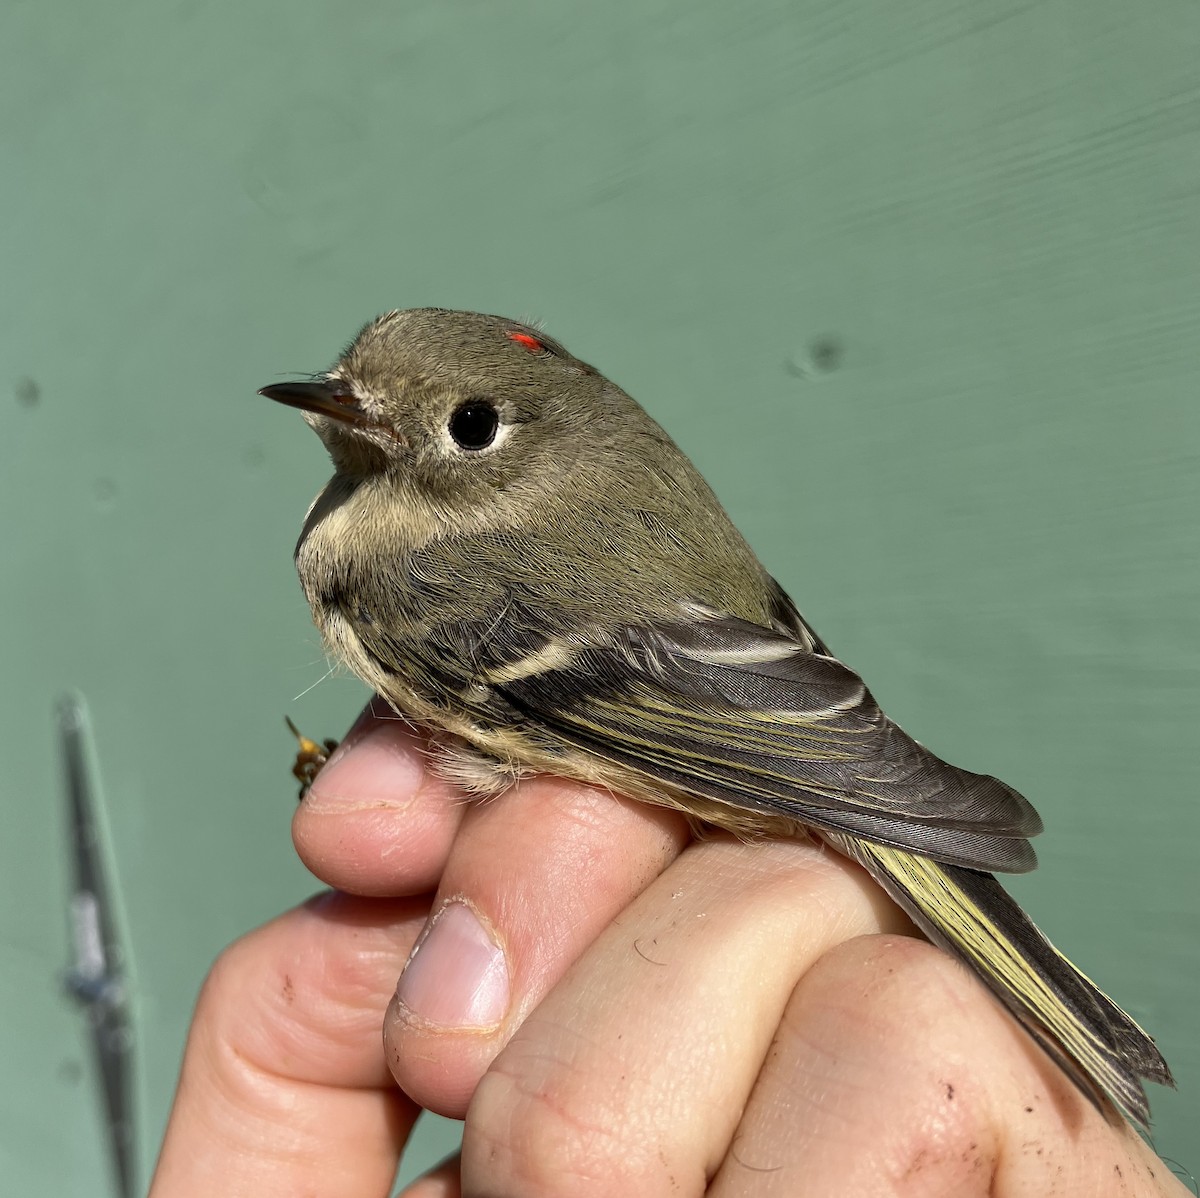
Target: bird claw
pixel 311 757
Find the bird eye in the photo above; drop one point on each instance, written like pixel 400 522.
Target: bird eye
pixel 474 424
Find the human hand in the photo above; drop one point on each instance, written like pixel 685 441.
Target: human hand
pixel 615 1009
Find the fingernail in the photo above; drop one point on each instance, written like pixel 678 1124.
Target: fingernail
pixel 384 768
pixel 457 976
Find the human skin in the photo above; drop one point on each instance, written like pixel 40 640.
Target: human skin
pixel 614 1008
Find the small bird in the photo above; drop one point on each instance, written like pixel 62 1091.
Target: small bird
pixel 514 555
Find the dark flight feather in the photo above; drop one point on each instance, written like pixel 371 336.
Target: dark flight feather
pixel 744 715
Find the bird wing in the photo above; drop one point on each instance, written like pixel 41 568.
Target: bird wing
pixel 786 618
pixel 748 716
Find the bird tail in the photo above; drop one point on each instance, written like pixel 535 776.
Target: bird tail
pixel 969 914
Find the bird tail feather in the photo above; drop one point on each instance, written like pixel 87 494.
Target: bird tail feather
pixel 969 914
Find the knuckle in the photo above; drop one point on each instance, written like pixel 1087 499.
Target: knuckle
pixel 875 1026
pixel 881 1000
pixel 267 1002
pixel 893 973
pixel 533 1133
pixel 224 979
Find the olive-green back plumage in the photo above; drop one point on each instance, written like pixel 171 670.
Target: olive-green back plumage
pixel 587 478
pixel 513 552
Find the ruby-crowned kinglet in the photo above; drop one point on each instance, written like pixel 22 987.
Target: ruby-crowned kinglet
pixel 515 555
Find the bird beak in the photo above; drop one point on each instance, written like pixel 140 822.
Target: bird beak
pixel 327 398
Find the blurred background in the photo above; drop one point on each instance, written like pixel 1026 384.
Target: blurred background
pixel 916 286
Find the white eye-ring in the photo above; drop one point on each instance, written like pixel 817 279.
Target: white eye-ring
pixel 476 425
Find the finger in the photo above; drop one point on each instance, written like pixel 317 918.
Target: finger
pixel 631 1075
pixel 442 1181
pixel 284 1088
pixel 533 878
pixel 895 1074
pixel 376 820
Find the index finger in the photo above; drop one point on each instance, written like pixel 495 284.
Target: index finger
pixel 284 1088
pixel 377 821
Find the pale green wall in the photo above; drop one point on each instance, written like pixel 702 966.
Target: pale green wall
pixel 986 500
